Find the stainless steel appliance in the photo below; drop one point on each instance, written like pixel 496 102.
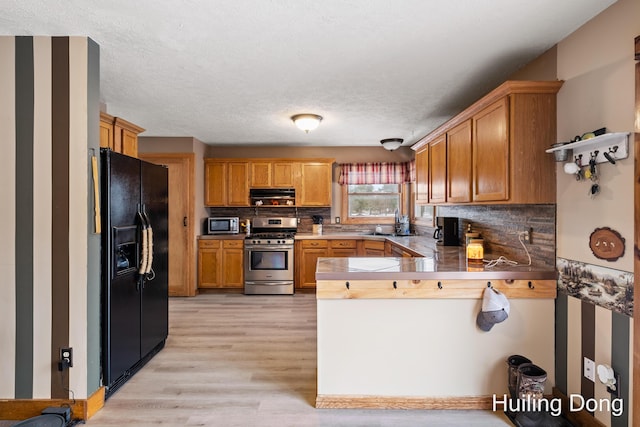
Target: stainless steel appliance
pixel 135 297
pixel 268 257
pixel 222 225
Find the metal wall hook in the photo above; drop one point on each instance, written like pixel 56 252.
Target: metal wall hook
pixel 531 285
pixel 489 285
pixel 347 284
pixel 439 285
pixel 395 285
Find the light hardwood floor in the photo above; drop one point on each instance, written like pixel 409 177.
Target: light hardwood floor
pixel 236 360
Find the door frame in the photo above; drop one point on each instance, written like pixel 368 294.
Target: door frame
pixel 636 248
pixel 161 158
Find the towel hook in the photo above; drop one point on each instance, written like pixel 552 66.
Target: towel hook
pixel 439 285
pixel 531 285
pixel 395 285
pixel 347 284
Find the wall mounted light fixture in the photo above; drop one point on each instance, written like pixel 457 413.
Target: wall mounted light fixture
pixel 391 143
pixel 306 122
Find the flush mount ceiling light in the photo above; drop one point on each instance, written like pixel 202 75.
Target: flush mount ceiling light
pixel 306 122
pixel 391 143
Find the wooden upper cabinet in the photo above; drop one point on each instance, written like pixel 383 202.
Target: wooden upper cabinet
pixel 422 175
pixel 228 180
pixel 282 174
pixel 261 174
pixel 270 174
pixel 106 131
pixel 505 134
pixel 238 184
pixel 119 135
pixel 438 170
pixel 459 163
pixel 215 183
pixel 314 187
pixel 491 153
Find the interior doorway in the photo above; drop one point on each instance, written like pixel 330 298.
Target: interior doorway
pixel 181 214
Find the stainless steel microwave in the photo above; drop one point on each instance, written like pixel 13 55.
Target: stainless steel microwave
pixel 222 225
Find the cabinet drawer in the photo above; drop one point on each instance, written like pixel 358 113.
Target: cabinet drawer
pixel 314 243
pixel 374 244
pixel 350 244
pixel 208 243
pixel 233 244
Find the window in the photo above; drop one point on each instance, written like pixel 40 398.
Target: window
pixel 371 203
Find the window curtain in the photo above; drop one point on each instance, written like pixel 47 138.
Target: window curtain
pixel 377 173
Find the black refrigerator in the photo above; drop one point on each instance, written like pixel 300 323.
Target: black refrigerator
pixel 134 212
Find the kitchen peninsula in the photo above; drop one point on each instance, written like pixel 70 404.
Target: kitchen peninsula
pixel 401 332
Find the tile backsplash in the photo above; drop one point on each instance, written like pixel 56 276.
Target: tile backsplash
pixel 498 224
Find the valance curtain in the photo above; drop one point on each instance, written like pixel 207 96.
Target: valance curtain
pixel 377 173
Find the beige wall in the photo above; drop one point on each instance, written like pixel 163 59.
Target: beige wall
pixel 596 62
pixel 341 154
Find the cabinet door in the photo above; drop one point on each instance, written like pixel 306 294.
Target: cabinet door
pixel 315 184
pixel 209 273
pixel 282 174
pixel 307 254
pixel 238 184
pixel 308 266
pixel 261 174
pixel 422 176
pixel 459 163
pixel 232 264
pixel 106 134
pixel 374 248
pixel 438 170
pixel 215 184
pixel 129 143
pixel 490 150
pixel 396 251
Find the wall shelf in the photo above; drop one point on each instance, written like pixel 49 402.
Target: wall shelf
pixel 605 143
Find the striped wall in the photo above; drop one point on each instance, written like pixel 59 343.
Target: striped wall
pixel 49 256
pixel 584 329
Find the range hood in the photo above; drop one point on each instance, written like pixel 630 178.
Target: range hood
pixel 272 196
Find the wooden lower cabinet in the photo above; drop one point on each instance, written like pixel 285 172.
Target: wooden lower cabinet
pixel 372 248
pixel 220 263
pixel 306 255
pixel 343 248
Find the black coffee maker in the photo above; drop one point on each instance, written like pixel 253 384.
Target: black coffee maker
pixel 446 232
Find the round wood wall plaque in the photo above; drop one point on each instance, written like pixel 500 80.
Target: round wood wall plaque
pixel 606 243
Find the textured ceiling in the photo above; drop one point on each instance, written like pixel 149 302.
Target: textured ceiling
pixel 234 71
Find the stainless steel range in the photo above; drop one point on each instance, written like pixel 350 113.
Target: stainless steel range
pixel 268 256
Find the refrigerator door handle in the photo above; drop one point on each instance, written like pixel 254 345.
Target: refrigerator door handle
pixel 149 274
pixel 144 244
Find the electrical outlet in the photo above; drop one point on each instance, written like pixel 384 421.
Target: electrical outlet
pixel 66 358
pixel 526 235
pixel 589 369
pixel 337 220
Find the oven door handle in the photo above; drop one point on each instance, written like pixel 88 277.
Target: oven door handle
pixel 268 283
pixel 268 247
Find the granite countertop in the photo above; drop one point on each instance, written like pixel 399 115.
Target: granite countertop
pixel 437 262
